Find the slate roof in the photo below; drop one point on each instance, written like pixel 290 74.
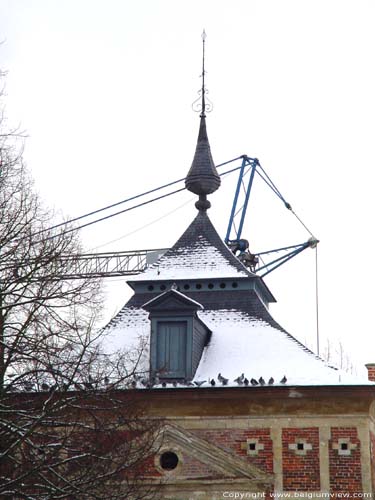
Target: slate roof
pixel 245 338
pixel 202 177
pixel 198 253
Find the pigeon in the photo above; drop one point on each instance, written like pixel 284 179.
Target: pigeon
pixel 246 381
pixel 271 381
pixel 222 379
pixel 262 381
pixel 212 382
pixel 254 382
pixel 198 383
pixel 239 379
pixel 164 384
pixel 283 380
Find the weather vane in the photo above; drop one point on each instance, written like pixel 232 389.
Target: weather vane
pixel 202 105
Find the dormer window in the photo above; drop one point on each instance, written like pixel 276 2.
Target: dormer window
pixel 171 339
pixel 178 336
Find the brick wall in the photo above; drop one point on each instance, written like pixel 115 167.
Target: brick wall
pixel 345 460
pixel 254 445
pixel 300 452
pixel 371 371
pixel 193 468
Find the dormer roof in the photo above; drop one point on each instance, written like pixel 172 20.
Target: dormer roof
pixel 171 300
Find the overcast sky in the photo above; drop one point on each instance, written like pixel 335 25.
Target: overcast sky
pixel 104 91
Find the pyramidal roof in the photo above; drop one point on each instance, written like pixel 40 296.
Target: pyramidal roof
pixel 244 339
pixel 199 253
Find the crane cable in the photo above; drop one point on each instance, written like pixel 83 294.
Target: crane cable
pixel 121 211
pixel 144 226
pixel 94 212
pixel 317 300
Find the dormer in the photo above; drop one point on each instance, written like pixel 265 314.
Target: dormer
pixel 178 336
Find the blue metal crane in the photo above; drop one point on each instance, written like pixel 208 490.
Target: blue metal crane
pixel 112 264
pixel 233 237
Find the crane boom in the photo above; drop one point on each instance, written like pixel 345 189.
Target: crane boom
pixel 127 263
pixel 109 264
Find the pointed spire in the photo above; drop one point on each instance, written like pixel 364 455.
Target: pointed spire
pixel 203 178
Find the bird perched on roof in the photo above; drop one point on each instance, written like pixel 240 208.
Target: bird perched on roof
pixel 198 383
pixel 222 379
pixel 254 382
pixel 239 379
pixel 262 381
pixel 271 381
pixel 212 382
pixel 283 380
pixel 246 381
pixel 164 384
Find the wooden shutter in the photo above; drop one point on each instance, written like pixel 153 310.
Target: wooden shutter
pixel 171 348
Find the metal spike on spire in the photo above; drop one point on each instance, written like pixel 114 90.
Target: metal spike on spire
pixel 202 178
pixel 202 104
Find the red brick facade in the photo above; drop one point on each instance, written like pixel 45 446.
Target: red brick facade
pixel 301 471
pixel 239 441
pixel 371 371
pixel 192 468
pixel 345 460
pixel 300 457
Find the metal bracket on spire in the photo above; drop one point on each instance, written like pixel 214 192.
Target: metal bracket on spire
pixel 202 104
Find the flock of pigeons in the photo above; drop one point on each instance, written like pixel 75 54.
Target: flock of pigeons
pixel 241 381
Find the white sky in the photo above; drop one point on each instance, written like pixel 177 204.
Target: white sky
pixel 104 91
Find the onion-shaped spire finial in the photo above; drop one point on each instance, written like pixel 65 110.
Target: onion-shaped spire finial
pixel 202 178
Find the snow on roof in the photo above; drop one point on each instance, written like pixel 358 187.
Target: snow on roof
pixel 199 261
pixel 129 332
pixel 199 253
pixel 239 344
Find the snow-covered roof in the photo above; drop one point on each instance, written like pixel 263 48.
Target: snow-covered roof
pixel 245 338
pixel 239 344
pixel 199 253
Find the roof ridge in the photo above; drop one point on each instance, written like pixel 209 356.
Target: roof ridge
pixel 202 226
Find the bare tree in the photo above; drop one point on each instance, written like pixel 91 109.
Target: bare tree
pixel 70 427
pixel 336 354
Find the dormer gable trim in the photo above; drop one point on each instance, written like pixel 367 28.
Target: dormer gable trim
pixel 172 300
